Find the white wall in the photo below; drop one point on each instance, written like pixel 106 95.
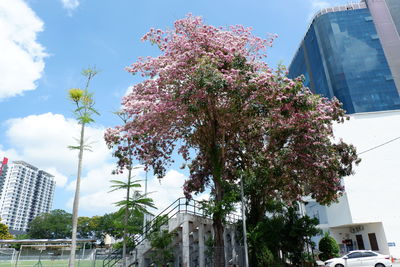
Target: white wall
pixel 373 193
pixel 342 233
pixel 339 213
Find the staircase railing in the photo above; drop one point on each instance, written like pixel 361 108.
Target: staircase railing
pixel 113 258
pixel 181 205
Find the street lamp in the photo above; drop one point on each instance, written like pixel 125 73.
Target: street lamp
pixel 246 252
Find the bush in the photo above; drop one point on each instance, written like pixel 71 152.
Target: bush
pixel 328 247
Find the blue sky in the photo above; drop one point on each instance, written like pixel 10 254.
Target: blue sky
pixel 44 45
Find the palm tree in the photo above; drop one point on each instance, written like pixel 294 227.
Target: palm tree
pixel 134 205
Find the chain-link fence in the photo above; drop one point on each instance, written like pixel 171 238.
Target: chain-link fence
pixel 44 257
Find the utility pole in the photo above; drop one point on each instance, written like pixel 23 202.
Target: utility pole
pixel 246 252
pixel 145 214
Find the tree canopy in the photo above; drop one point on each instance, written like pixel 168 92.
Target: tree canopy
pixel 212 98
pixel 52 225
pixel 4 233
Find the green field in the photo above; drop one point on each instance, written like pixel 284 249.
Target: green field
pixel 49 263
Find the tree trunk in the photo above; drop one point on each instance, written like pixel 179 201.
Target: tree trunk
pixel 76 200
pixel 219 255
pixel 256 215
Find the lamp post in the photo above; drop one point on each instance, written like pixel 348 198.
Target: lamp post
pixel 246 252
pixel 145 214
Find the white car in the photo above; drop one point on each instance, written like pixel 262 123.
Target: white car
pixel 360 258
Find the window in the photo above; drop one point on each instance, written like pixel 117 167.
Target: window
pixel 369 254
pixel 354 255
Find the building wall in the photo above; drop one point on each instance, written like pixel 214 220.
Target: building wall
pixel 386 14
pixel 394 8
pixel 349 233
pixel 26 193
pixel 373 192
pixel 341 55
pixel 352 52
pixel 339 213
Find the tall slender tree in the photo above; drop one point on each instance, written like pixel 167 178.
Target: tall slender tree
pixel 209 94
pixel 83 112
pixel 130 204
pixel 135 204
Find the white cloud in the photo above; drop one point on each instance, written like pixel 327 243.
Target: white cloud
pixel 95 195
pixel 59 178
pixel 21 57
pixel 12 155
pixel 98 203
pixel 128 90
pixel 70 4
pixel 166 190
pixel 43 140
pixel 317 5
pixel 97 198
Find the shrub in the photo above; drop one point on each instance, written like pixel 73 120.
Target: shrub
pixel 328 247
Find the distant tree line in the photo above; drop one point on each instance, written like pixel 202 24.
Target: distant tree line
pixel 57 225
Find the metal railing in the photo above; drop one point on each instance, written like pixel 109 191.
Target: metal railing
pixel 113 258
pixel 180 206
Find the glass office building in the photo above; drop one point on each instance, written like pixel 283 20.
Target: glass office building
pixel 352 52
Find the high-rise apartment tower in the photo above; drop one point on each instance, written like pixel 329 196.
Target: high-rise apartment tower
pixel 26 192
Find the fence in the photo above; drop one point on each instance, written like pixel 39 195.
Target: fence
pixel 44 257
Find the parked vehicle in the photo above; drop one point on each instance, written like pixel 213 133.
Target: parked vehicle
pixel 360 258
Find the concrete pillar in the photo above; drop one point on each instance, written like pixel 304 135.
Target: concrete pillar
pixel 226 246
pixel 140 259
pixel 233 244
pixel 201 233
pixel 185 244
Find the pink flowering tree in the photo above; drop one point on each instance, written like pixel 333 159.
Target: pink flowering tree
pixel 210 97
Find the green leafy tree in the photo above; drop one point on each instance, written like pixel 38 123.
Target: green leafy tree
pixel 20 237
pixel 162 253
pixel 84 112
pixel 134 205
pixel 329 247
pixel 296 235
pixel 113 224
pixel 4 233
pixel 87 227
pixel 283 231
pixel 52 225
pixel 142 204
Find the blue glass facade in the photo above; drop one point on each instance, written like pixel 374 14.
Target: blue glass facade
pixel 341 56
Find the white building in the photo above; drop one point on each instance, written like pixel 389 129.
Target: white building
pixel 26 192
pixel 368 214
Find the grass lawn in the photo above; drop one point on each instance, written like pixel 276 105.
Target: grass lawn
pixel 55 263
